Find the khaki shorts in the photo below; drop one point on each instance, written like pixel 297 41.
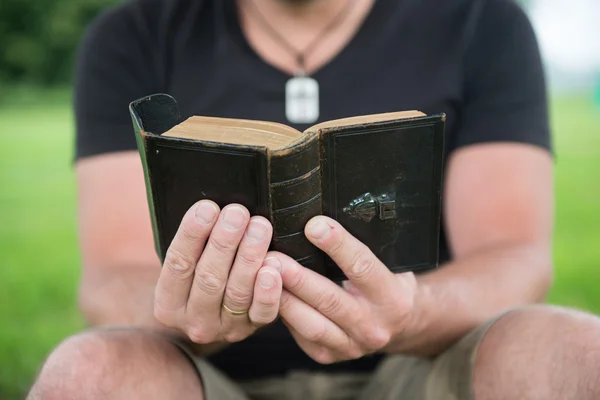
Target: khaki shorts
pixel 447 377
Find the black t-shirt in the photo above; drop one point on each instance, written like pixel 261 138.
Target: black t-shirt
pixel 475 60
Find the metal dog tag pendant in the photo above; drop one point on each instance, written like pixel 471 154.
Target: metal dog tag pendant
pixel 302 100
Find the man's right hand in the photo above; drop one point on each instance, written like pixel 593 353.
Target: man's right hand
pixel 215 265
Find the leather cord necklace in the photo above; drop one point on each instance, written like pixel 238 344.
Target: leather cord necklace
pixel 302 91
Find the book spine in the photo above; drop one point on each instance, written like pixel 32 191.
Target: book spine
pixel 152 116
pixel 295 189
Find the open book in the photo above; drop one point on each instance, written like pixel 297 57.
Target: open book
pixel 378 175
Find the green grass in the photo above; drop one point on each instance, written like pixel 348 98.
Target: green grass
pixel 38 245
pixel 39 259
pixel 576 124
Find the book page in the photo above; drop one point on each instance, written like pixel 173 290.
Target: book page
pixel 235 131
pixel 367 119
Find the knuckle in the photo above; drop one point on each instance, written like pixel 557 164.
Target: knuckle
pixel 354 352
pixel 329 302
pixel 163 316
pixel 262 317
pixel 237 295
pixel 190 233
pixel 179 264
pixel 200 335
pixel 285 302
pixel 323 356
pixel 296 280
pixel 223 244
pixel 317 335
pixel 264 311
pixel 362 266
pixel 266 301
pixel 236 336
pixel 249 257
pixel 208 283
pixel 375 338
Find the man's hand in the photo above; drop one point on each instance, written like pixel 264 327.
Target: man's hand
pixel 331 323
pixel 211 269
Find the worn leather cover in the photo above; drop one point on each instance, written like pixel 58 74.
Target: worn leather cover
pixel 381 181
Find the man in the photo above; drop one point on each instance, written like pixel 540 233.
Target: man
pixel 225 319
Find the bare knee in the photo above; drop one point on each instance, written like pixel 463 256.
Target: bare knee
pixel 540 352
pixel 125 363
pixel 88 359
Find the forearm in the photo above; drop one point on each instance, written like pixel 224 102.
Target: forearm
pixel 119 295
pixel 123 296
pixel 461 295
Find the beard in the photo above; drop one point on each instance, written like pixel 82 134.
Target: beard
pixel 297 2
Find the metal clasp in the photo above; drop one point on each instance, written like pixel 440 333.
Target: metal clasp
pixel 368 206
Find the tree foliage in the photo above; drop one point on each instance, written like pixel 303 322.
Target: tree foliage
pixel 39 38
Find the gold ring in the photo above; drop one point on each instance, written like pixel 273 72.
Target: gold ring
pixel 234 312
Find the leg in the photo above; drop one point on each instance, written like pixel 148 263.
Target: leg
pixel 117 364
pixel 532 353
pixel 540 352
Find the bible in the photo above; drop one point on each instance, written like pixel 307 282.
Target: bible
pixel 379 176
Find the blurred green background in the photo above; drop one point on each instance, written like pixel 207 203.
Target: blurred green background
pixel 39 259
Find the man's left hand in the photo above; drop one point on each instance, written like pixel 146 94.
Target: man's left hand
pixel 331 323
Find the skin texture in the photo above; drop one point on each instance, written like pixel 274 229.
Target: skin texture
pixel 499 208
pixel 401 314
pixel 540 352
pixel 375 311
pixel 202 272
pixel 301 22
pixel 117 364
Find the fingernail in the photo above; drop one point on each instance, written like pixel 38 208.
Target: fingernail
pixel 256 230
pixel 234 218
pixel 273 262
pixel 266 279
pixel 318 229
pixel 206 212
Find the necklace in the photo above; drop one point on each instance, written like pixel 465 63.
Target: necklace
pixel 301 90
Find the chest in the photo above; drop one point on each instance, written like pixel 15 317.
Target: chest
pixel 347 90
pixel 395 72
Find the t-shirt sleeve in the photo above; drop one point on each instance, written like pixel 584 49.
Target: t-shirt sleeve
pixel 113 68
pixel 505 98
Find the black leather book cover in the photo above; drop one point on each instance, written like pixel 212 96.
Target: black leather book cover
pixel 380 180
